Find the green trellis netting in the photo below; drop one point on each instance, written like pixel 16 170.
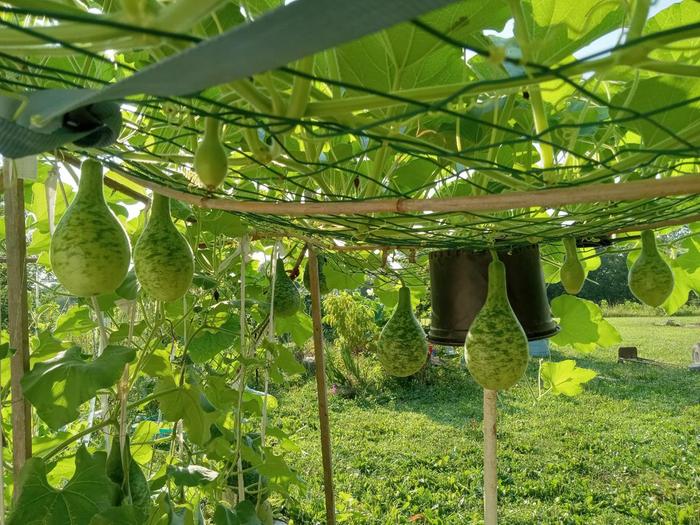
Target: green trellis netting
pixel 472 99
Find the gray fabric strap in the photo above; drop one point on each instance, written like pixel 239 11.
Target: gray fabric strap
pixel 277 38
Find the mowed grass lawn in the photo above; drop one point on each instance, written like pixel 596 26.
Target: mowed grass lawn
pixel 626 451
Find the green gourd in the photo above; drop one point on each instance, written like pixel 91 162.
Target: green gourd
pixel 163 259
pixel 210 159
pixel 496 347
pixel 323 285
pixel 287 299
pixel 90 250
pixel 650 279
pixel 402 349
pixel 572 273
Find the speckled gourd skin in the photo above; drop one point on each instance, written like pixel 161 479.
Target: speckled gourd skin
pixel 287 299
pixel 163 259
pixel 402 349
pixel 650 279
pixel 496 346
pixel 572 274
pixel 323 285
pixel 90 250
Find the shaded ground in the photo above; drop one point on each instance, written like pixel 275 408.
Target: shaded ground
pixel 626 451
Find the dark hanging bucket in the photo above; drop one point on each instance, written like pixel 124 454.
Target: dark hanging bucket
pixel 458 282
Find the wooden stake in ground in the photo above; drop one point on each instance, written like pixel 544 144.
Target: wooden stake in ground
pixel 16 244
pixel 321 387
pixel 490 471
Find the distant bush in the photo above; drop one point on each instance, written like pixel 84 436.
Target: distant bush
pixel 635 309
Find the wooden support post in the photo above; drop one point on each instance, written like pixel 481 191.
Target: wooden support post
pixel 321 387
pixel 490 471
pixel 16 244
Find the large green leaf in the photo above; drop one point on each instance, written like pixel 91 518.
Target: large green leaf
pixel 57 387
pixel 124 515
pixel 582 324
pixel 242 514
pixel 654 95
pixel 564 377
pixel 221 222
pixel 340 278
pixel 141 447
pixel 299 326
pixel 185 402
pixel 44 345
pixel 676 15
pixel 557 29
pixel 208 342
pixel 86 494
pixel 405 56
pixel 76 320
pixel 134 486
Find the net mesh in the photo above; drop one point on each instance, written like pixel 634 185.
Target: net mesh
pixel 449 105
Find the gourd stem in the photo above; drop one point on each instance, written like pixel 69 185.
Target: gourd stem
pixel 497 281
pixel 90 185
pixel 211 128
pixel 570 247
pixel 404 298
pixel 160 207
pixel 649 242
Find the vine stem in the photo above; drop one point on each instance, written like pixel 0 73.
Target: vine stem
pixel 242 371
pixel 110 421
pixel 271 338
pixel 538 113
pixel 639 18
pixel 75 437
pixel 123 393
pixel 103 340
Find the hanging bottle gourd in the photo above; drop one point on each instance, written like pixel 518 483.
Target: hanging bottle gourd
pixel 403 348
pixel 323 285
pixel 496 347
pixel 90 250
pixel 163 259
pixel 572 274
pixel 650 279
pixel 287 299
pixel 210 159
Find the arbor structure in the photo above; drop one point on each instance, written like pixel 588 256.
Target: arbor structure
pixel 365 130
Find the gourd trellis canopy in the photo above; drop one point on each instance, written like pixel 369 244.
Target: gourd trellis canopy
pixel 470 100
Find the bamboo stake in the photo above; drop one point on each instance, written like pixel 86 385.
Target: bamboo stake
pixel 548 198
pixel 2 440
pixel 321 387
pixel 18 323
pixel 490 471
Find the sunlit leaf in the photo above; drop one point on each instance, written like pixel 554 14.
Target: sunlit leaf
pixel 582 324
pixel 88 492
pixel 242 514
pixel 57 387
pixel 76 320
pixel 564 377
pixel 184 402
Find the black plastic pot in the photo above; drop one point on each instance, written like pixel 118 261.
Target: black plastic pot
pixel 458 283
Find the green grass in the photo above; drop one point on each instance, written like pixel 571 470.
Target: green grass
pixel 626 451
